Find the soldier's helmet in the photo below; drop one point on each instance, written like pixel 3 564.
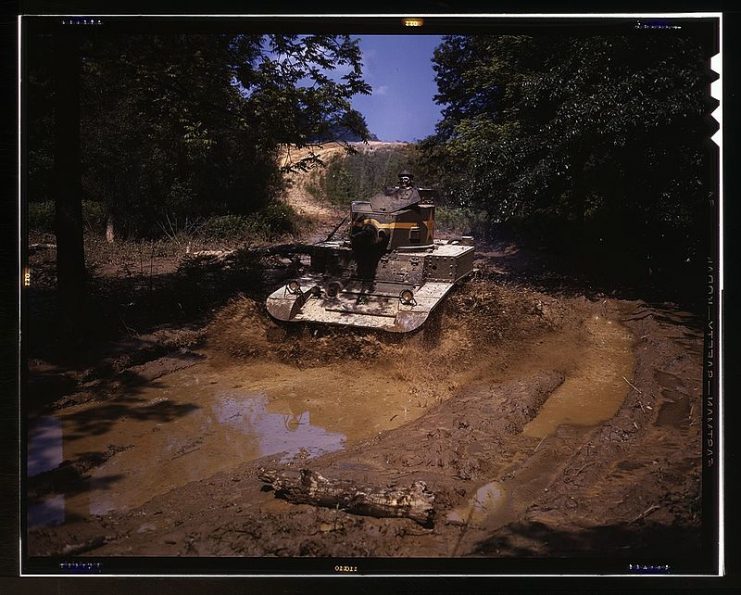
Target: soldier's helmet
pixel 405 177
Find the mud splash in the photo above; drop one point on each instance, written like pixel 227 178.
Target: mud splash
pixel 597 388
pixel 488 500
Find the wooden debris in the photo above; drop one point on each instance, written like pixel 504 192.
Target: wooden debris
pixel 309 487
pixel 218 254
pixel 74 549
pixel 645 513
pixel 633 386
pixel 282 250
pixel 32 248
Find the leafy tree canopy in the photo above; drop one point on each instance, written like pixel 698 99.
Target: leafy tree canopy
pixel 186 125
pixel 604 137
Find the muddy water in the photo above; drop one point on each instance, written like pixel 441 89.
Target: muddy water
pixel 597 387
pixel 210 418
pixel 199 421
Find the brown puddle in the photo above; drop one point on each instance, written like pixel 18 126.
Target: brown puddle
pixel 200 421
pixel 595 390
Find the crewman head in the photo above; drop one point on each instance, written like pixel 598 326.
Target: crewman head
pixel 405 178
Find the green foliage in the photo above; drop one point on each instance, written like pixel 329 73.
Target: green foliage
pixel 462 221
pixel 225 227
pixel 274 220
pixel 188 126
pixel 590 142
pixel 94 215
pixel 361 175
pixel 41 216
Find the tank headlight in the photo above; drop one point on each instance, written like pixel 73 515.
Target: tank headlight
pixel 293 286
pixel 333 289
pixel 407 297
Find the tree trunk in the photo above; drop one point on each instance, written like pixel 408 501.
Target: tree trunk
pixel 110 235
pixel 308 487
pixel 68 187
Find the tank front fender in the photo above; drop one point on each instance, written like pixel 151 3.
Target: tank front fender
pixel 284 306
pixel 408 321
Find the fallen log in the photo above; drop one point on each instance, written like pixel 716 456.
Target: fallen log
pixel 276 250
pixel 308 487
pixel 217 254
pixel 282 250
pixel 33 248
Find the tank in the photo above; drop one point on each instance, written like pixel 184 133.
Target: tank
pixel 389 273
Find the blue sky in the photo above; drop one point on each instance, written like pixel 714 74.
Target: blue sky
pixel 399 68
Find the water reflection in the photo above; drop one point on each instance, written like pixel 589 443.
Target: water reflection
pixel 44 444
pixel 139 458
pixel 49 511
pixel 288 433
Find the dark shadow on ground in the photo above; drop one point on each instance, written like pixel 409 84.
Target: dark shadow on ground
pixel 632 541
pixel 120 401
pixel 507 261
pixel 125 306
pixel 132 319
pixel 99 420
pixel 119 397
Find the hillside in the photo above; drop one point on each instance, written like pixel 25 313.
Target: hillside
pixel 320 216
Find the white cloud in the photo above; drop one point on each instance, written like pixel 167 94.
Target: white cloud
pixel 381 90
pixel 338 71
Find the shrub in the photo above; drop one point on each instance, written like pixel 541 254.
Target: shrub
pixel 94 215
pixel 41 216
pixel 225 226
pixel 463 221
pixel 275 218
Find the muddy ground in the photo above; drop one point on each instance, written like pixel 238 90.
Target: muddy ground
pixel 547 420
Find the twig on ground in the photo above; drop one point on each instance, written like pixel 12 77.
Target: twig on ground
pixel 646 512
pixel 638 317
pixel 640 392
pixel 151 265
pixel 578 471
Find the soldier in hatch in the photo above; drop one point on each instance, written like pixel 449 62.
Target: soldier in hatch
pixel 406 191
pixel 405 179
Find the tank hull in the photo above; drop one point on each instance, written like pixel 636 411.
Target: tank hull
pixel 333 292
